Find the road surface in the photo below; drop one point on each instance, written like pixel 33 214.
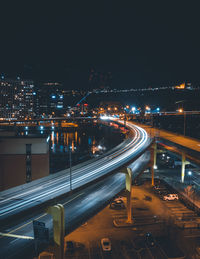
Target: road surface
pixel 78 209
pixel 15 202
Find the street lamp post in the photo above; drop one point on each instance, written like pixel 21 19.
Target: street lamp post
pixel 190 175
pixel 184 119
pixel 70 168
pixel 182 110
pixel 184 123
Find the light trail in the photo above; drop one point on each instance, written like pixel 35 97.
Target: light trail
pixel 60 185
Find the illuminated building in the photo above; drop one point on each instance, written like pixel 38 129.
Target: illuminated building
pixel 50 99
pixel 16 98
pixel 181 86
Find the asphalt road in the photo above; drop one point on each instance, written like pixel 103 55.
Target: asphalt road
pixel 181 140
pixel 78 209
pixel 12 203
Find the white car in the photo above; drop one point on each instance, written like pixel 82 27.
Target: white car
pixel 106 244
pixel 170 197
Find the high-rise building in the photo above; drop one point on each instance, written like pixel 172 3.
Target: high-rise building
pixel 50 99
pixel 16 98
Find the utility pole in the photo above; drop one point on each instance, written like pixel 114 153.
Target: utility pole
pixel 184 123
pixel 70 167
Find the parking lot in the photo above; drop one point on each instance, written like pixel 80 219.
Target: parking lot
pixel 150 214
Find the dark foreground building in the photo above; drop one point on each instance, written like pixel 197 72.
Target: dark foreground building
pixel 22 160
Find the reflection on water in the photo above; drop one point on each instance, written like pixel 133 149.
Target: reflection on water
pixel 84 143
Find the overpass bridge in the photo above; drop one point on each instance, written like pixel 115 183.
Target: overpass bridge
pixel 97 182
pixel 36 120
pixel 185 147
pixel 91 189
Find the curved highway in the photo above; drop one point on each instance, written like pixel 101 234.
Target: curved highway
pixel 14 203
pixel 16 240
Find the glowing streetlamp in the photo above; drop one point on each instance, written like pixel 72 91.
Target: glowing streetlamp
pixel 190 174
pixel 133 109
pixel 184 113
pixel 70 168
pixel 147 108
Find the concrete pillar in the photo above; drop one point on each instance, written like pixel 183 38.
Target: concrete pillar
pixel 128 189
pixel 183 167
pixel 153 164
pixel 57 213
pixel 152 176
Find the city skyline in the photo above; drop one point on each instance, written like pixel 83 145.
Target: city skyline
pixel 99 129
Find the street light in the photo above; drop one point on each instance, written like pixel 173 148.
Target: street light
pixel 71 148
pixel 184 123
pixel 70 168
pixel 147 108
pixel 190 174
pixel 133 109
pixel 184 114
pixel 181 110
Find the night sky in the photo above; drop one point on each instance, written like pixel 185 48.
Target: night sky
pixel 150 43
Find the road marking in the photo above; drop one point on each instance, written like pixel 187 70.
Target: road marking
pixel 25 224
pixel 30 222
pixel 16 236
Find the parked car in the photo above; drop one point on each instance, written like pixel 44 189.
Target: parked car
pixel 149 239
pixel 161 191
pixel 106 244
pixel 117 204
pixel 156 187
pixel 170 197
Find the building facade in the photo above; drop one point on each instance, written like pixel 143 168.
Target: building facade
pixel 49 99
pixel 16 98
pixel 22 160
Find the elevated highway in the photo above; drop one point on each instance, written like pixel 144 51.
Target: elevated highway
pixel 16 200
pixel 176 143
pixel 79 207
pixel 99 181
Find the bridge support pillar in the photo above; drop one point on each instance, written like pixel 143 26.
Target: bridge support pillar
pixel 152 165
pixel 152 176
pixel 57 213
pixel 183 167
pixel 128 190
